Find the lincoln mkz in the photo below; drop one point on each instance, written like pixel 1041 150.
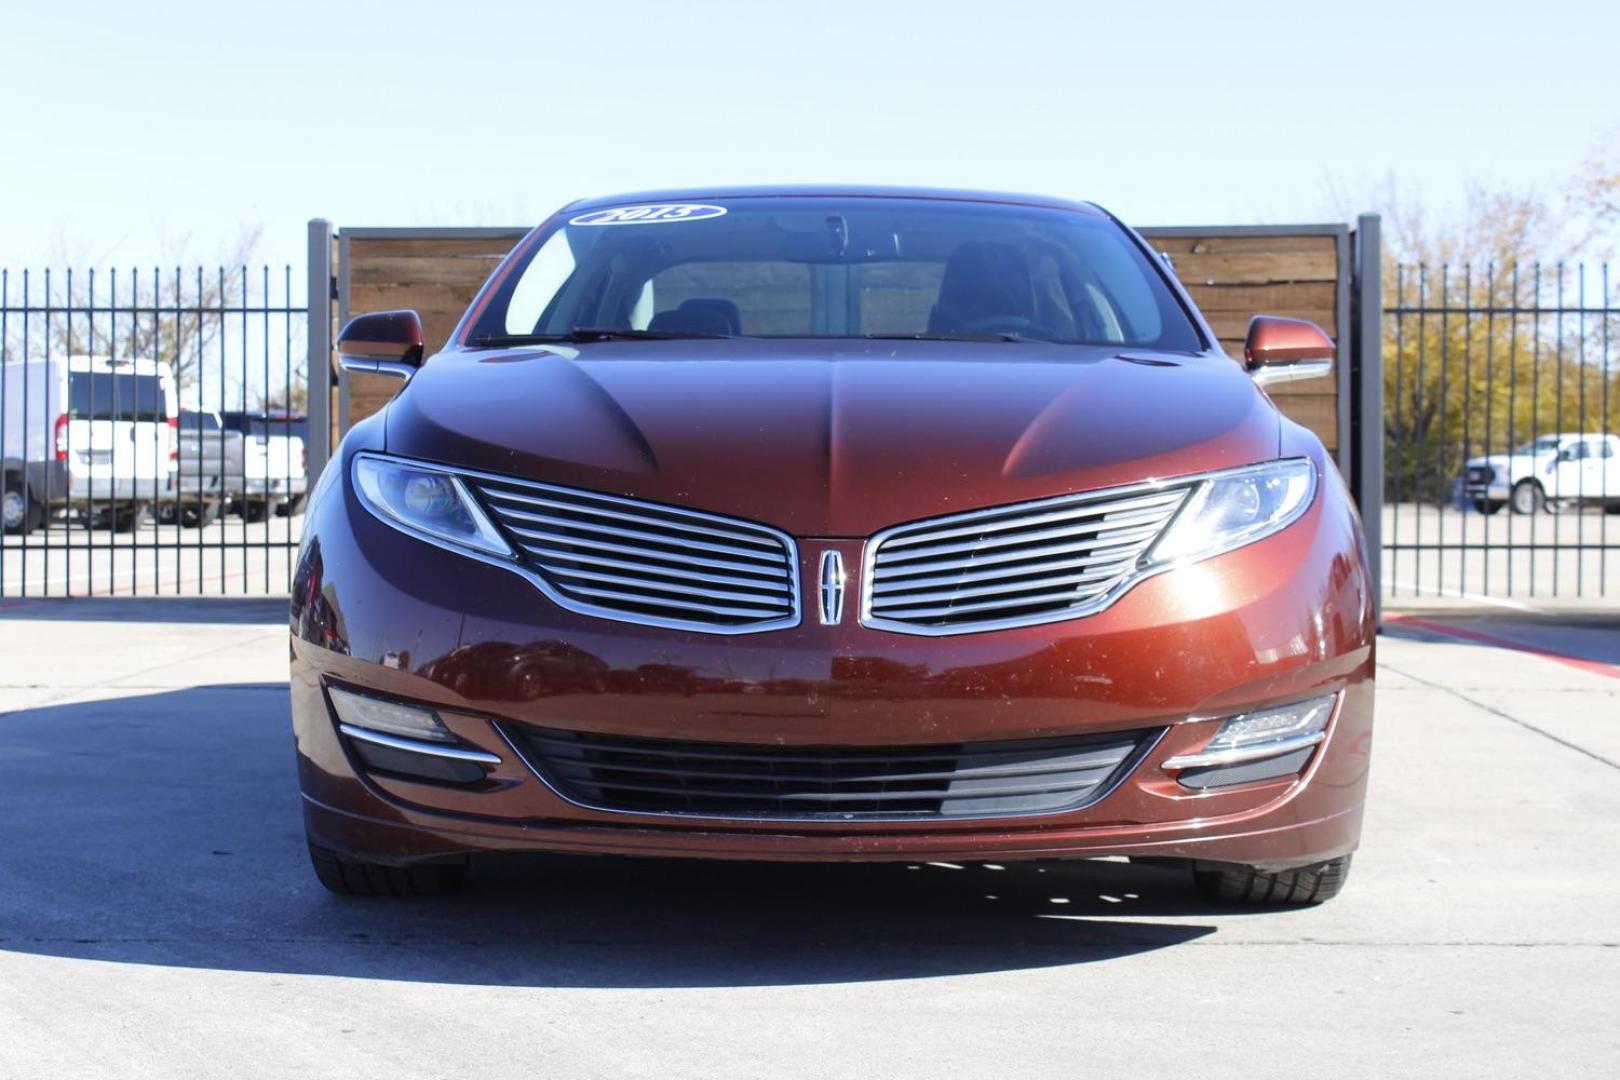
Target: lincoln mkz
pixel 833 524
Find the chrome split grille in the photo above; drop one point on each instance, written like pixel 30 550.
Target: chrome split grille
pixel 657 776
pixel 1013 565
pixel 637 561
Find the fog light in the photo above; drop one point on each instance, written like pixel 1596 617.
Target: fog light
pixel 389 717
pixel 1261 745
pixel 1258 729
pixel 406 740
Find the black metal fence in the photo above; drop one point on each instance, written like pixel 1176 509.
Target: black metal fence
pixel 1501 408
pixel 152 431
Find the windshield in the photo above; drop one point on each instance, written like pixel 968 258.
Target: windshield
pixel 837 268
pixel 1547 444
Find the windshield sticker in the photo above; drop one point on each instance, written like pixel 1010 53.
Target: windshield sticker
pixel 649 215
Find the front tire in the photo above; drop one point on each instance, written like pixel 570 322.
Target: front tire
pixel 1487 506
pixel 1249 885
pixel 255 511
pixel 1527 497
pixel 348 876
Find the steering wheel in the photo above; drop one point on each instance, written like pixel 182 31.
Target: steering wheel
pixel 1004 324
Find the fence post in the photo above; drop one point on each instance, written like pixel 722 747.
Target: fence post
pixel 1367 380
pixel 319 360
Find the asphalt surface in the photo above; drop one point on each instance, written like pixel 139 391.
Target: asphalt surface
pixel 158 919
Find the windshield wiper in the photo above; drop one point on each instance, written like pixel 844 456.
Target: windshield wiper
pixel 592 333
pixel 976 335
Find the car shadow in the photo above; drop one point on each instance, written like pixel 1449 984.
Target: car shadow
pixel 165 829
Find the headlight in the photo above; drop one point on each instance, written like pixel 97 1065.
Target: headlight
pixel 1237 508
pixel 425 501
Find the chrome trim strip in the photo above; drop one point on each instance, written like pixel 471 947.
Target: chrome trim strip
pixel 1239 755
pixel 525 536
pixel 393 369
pixel 1093 605
pixel 924 554
pixel 790 554
pixel 1015 520
pixel 1266 374
pixel 626 533
pixel 394 742
pixel 624 515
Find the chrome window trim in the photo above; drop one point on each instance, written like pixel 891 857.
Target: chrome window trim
pixel 395 742
pixel 1143 571
pixel 512 563
pixel 1127 768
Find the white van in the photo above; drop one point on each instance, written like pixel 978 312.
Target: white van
pixel 92 433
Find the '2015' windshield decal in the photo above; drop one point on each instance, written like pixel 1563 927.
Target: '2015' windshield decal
pixel 649 215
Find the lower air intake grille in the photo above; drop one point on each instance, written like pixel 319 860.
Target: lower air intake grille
pixel 646 562
pixel 704 779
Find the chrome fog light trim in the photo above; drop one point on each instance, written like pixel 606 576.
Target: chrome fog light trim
pixel 393 742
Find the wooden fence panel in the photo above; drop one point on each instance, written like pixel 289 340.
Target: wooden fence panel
pixel 1232 276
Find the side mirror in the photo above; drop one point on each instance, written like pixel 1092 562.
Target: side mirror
pixel 1281 350
pixel 384 343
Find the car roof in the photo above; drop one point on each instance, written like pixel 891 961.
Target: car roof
pixel 834 191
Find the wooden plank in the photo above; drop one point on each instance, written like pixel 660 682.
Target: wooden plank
pixel 1256 267
pixel 1271 299
pixel 437 270
pixel 366 248
pixel 1187 245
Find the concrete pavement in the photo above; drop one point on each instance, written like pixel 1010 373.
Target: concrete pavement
pixel 157 917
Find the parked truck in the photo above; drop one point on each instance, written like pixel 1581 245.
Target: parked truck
pixel 92 434
pixel 1549 472
pixel 209 472
pixel 272 479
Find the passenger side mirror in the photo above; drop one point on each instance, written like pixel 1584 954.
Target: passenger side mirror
pixel 1281 350
pixel 384 343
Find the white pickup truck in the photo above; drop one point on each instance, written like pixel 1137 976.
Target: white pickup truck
pixel 1549 472
pixel 273 463
pixel 95 434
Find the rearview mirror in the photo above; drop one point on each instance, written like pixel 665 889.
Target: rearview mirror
pixel 382 343
pixel 1281 350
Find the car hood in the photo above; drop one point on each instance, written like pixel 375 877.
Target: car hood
pixel 832 439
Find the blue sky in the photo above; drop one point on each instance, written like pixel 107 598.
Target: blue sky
pixel 135 132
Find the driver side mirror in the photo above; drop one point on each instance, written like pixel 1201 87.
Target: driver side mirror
pixel 384 343
pixel 1281 350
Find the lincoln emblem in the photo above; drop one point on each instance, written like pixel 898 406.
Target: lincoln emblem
pixel 832 588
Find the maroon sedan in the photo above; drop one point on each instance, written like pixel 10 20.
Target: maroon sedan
pixel 833 524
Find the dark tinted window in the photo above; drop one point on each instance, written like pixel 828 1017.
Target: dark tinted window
pixel 103 395
pixel 798 267
pixel 192 421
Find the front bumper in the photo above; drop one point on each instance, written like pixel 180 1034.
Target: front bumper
pixel 1285 619
pixel 1493 491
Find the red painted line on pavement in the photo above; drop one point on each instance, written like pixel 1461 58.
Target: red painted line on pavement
pixel 1595 667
